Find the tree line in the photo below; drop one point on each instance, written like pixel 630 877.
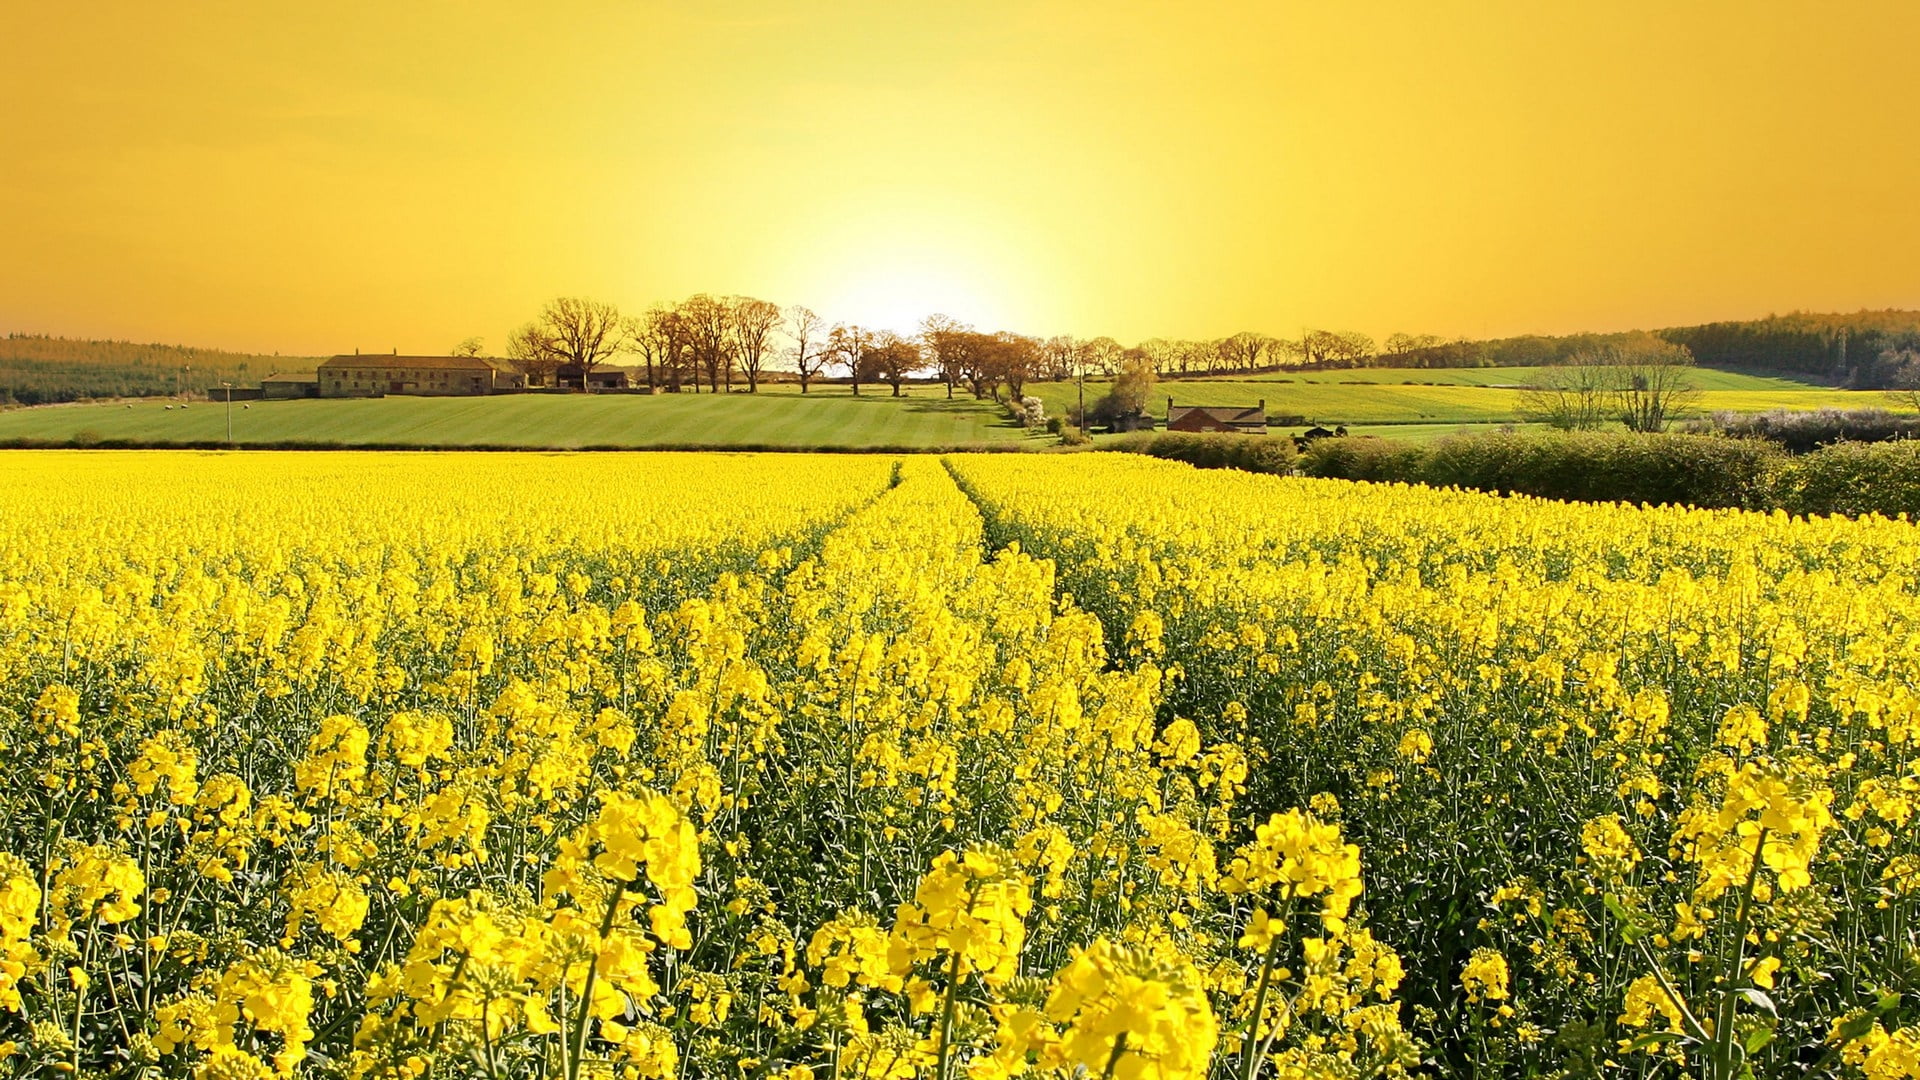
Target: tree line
pixel 37 369
pixel 1862 350
pixel 715 343
pixel 712 344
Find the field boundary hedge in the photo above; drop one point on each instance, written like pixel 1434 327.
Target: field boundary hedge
pixel 1711 472
pixel 1249 453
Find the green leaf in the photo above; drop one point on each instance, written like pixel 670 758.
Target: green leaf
pixel 1630 928
pixel 1654 1038
pixel 1758 1037
pixel 1854 1028
pixel 1760 1000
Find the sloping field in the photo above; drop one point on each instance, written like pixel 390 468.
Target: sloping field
pixel 1394 403
pixel 829 417
pixel 1705 378
pixel 538 420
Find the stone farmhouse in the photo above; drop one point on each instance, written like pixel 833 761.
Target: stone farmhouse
pixel 1247 420
pixel 377 375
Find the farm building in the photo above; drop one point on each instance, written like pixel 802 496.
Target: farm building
pixel 289 384
pixel 1248 420
pixel 375 375
pixel 603 378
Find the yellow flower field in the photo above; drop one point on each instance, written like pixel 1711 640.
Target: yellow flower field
pixel 490 765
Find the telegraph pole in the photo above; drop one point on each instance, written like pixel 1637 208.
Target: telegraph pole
pixel 229 387
pixel 1081 371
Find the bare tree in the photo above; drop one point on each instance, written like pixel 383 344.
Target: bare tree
pixel 658 338
pixel 1102 356
pixel 1163 355
pixel 808 354
pixel 536 354
pixel 1317 346
pixel 472 346
pixel 1571 397
pixel 1197 356
pixel 1654 384
pixel 1402 344
pixel 1339 348
pixel 678 364
pixel 1350 347
pixel 569 332
pixel 1244 350
pixel 709 327
pixel 1060 357
pixel 1903 377
pixel 1014 359
pixel 1645 385
pixel 753 322
pixel 977 356
pixel 893 358
pixel 942 336
pixel 847 346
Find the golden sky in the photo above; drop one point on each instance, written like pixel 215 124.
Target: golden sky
pixel 311 178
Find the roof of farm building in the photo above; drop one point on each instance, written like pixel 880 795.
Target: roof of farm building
pixel 1225 414
pixel 389 360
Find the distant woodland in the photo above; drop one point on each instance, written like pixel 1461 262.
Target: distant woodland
pixel 1864 349
pixel 40 370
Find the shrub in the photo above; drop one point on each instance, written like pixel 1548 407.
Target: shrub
pixel 1691 470
pixel 1805 430
pixel 1107 410
pixel 1368 458
pixel 1854 479
pixel 1250 453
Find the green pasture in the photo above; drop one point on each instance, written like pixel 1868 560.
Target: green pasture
pixel 828 417
pixel 1383 402
pixel 1704 378
pixel 831 417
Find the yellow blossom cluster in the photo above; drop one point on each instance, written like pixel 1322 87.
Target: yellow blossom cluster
pixel 476 766
pixel 410 766
pixel 1661 762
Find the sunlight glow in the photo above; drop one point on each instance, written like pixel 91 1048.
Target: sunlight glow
pixel 282 177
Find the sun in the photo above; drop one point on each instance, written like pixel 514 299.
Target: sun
pixel 897 291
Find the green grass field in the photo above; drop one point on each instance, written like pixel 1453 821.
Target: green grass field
pixel 1384 402
pixel 831 417
pixel 826 418
pixel 1705 378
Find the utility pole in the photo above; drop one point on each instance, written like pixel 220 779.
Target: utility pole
pixel 1080 369
pixel 229 387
